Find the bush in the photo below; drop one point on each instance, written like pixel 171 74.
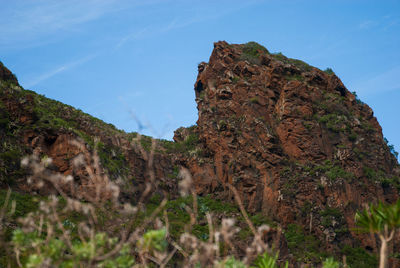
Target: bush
pixel 357 257
pixel 357 98
pixel 305 248
pixel 254 49
pixel 187 146
pixel 391 148
pixel 10 169
pixel 298 63
pixel 329 71
pixel 251 52
pixel 334 122
pixel 268 261
pixel 330 263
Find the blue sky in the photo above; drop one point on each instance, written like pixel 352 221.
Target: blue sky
pixel 123 59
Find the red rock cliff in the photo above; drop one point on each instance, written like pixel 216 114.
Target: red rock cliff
pixel 291 138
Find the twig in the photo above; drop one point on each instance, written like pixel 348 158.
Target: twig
pixel 162 265
pixel 244 213
pixel 4 208
pixel 178 247
pixel 210 228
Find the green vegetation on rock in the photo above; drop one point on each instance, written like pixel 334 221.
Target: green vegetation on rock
pixel 187 146
pixel 112 160
pixel 329 71
pixel 252 51
pixel 358 257
pixel 305 248
pixel 298 63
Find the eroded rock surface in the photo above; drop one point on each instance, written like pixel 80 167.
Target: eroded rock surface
pixel 292 139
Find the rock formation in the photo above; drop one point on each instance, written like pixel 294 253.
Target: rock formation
pixel 292 139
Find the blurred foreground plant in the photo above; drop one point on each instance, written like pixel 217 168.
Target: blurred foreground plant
pixel 383 220
pixel 86 224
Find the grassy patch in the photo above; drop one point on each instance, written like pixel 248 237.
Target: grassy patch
pixel 358 100
pixel 10 167
pixel 298 63
pixel 112 160
pixel 352 136
pixel 334 122
pixel 332 170
pixel 187 146
pixel 294 77
pixel 145 142
pixel 305 248
pixel 178 217
pixel 235 79
pixel 24 202
pixel 251 52
pixel 391 148
pixel 380 176
pixel 359 258
pixel 329 71
pixel 254 100
pixel 328 215
pixel 52 114
pixel 254 49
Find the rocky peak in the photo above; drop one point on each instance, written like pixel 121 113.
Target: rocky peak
pixel 291 138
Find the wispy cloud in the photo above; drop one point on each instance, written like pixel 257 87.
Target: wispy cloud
pixel 31 21
pixel 57 70
pixel 380 83
pixel 191 16
pixel 132 36
pixel 367 24
pixel 384 23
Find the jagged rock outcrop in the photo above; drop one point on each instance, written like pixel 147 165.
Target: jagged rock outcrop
pixel 292 139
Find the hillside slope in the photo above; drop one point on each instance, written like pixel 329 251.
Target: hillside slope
pixel 31 123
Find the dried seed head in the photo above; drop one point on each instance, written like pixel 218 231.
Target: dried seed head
pixel 158 224
pixel 43 206
pixel 129 209
pixel 46 161
pixel 67 179
pixel 189 241
pixel 25 161
pixel 227 223
pixel 263 229
pixel 114 190
pixel 85 209
pixel 78 161
pixel 186 183
pixel 40 184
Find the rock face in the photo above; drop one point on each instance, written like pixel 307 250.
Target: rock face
pixel 292 139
